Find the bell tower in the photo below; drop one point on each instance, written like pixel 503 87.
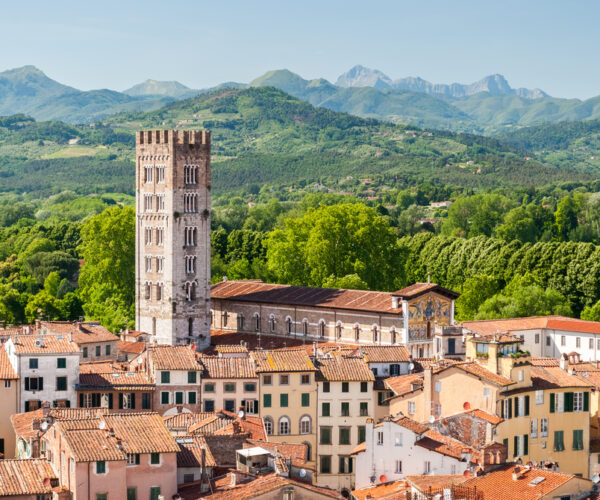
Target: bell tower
pixel 172 265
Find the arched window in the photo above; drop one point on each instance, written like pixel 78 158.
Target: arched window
pixel 305 425
pixel 272 322
pixel 288 325
pixel 225 317
pixel 212 317
pixel 159 288
pixel 257 322
pixel 268 421
pixel 356 332
pixel 240 321
pixel 305 327
pixel 393 334
pixel 284 426
pixel 338 330
pixel 148 290
pixel 375 333
pixel 190 290
pixel 322 328
pixel 191 327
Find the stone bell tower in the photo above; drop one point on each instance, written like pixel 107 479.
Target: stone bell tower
pixel 172 236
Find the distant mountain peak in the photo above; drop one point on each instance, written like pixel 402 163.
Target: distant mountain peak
pixel 159 88
pixel 361 76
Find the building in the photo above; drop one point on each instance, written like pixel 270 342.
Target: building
pixel 229 383
pixel 172 270
pixel 114 456
pixel 546 336
pixel 407 317
pixel 176 373
pixel 400 446
pixel 288 396
pixel 194 461
pixel 9 395
pixel 346 400
pixel 48 368
pixel 29 480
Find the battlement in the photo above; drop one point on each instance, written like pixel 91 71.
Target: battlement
pixel 192 137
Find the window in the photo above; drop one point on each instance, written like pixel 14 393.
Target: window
pixel 190 202
pixel 283 400
pixel 284 426
pixel 257 322
pixel 305 379
pixel 98 351
pixel 209 405
pixel 438 386
pixel 325 409
pixel 288 326
pixel 160 202
pixel 131 493
pixel 375 333
pixel 230 405
pixel 362 434
pixel 160 236
pixel 33 363
pixel 251 406
pixel 178 398
pixel 379 438
pixel 61 362
pixel 577 342
pixel 537 338
pixel 325 464
pixel 437 410
pixel 209 387
pixel 559 442
pixel 164 398
pixel 364 387
pixel 548 340
pixel 148 171
pixel 345 409
pixel 539 397
pixel 345 387
pixel 398 468
pixel 159 287
pixel 356 332
pixel 305 425
pixel 321 328
pixel 544 427
pixel 189 234
pixel 534 428
pixel 133 459
pixel 268 421
pixel 272 323
pixel 160 174
pixel 338 330
pixel 326 387
pixel 155 458
pixel 345 465
pixel 325 435
pixel 344 435
pixel 240 322
pixel 398 439
pixel 154 492
pixel 267 380
pixel 191 397
pixel 190 264
pixel 411 407
pixel 148 202
pixel 101 496
pixel 266 401
pixel 34 383
pixel 6 386
pixel 394 369
pixel 191 376
pixel 284 380
pixel 189 174
pixel 578 401
pixel 563 340
pixel 486 392
pixel 304 327
pixel 145 401
pixel 165 377
pixel 364 409
pixel 61 383
pixel 85 352
pixel 305 399
pixel 427 467
pixel 101 467
pixel 148 263
pixel 249 387
pixel 190 292
pixel 578 440
pixel 148 235
pixel 229 387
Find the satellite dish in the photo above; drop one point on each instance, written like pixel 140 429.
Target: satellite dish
pixel 101 425
pixel 44 425
pixel 596 478
pixel 47 482
pixel 466 405
pixel 467 473
pixel 302 472
pixel 241 414
pixel 140 360
pixel 372 478
pixel 383 478
pixel 431 419
pixel 411 366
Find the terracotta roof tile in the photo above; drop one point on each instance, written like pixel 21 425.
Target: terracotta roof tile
pixel 25 477
pixel 444 445
pixel 544 361
pixel 91 445
pixel 183 421
pixel 231 348
pixel 359 448
pixel 141 432
pixel 330 298
pixel 118 381
pixel 341 368
pixel 484 373
pixel 190 453
pixel 481 414
pixel 83 333
pixel 51 344
pixel 291 360
pixel 295 452
pixel 385 354
pixel 410 424
pixel 131 347
pixel 253 427
pixel 7 372
pixel 550 377
pixel 100 367
pixel 437 481
pixel 226 367
pixel 533 323
pixel 395 490
pixel 404 384
pixel 170 357
pixel 416 289
pixel 223 448
pixel 26 424
pixel 499 483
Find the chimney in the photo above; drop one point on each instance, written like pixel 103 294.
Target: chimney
pixel 395 302
pixel 516 475
pixel 234 478
pixel 71 336
pixel 38 324
pixel 564 362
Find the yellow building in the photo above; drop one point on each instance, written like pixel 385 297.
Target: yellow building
pixel 288 396
pixel 9 395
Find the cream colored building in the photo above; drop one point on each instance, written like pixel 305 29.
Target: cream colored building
pixel 288 396
pixel 9 395
pixel 345 401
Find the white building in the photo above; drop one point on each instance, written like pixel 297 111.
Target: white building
pixel 546 336
pixel 400 447
pixel 48 368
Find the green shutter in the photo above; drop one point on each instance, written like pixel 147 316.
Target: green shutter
pixel 568 401
pixel 505 443
pixel 266 400
pixel 586 401
pixel 552 396
pixel 525 444
pixel 526 408
pixel 510 408
pixel 516 407
pixel 81 400
pixel 516 443
pixel 283 400
pixel 305 399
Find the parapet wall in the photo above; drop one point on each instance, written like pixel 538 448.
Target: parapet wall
pixel 193 137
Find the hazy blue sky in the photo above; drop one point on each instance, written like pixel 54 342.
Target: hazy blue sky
pixel 549 44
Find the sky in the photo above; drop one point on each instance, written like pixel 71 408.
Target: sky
pixel 552 45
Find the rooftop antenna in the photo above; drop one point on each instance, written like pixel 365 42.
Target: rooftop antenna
pixel 428 276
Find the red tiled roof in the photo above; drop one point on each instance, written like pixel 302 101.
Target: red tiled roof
pixel 417 289
pixel 544 361
pixel 481 414
pixel 174 357
pixel 359 448
pixel 51 344
pixel 141 432
pixel 295 452
pixel 183 421
pixel 346 369
pixel 410 424
pixel 231 348
pixel 385 354
pixel 404 384
pixel 226 367
pixel 7 372
pixel 91 445
pixel 83 333
pixel 25 477
pixel 444 445
pixel 425 482
pixel 533 323
pixel 330 298
pixel 289 360
pixel 499 483
pixel 119 381
pixel 131 347
pixel 190 453
pixel 484 373
pixel 23 423
pixel 395 490
pixel 551 377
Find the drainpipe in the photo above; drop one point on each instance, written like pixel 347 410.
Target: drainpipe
pixel 89 487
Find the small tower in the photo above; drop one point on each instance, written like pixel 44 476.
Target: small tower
pixel 172 240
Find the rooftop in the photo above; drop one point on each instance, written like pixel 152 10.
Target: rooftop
pixel 288 360
pixel 50 344
pixel 385 354
pixel 394 490
pixel 437 481
pixel 174 357
pixel 118 381
pixel 190 453
pixel 346 369
pixel 227 367
pixel 7 372
pixel 487 327
pixel 330 298
pixel 26 425
pixel 418 289
pixel 141 432
pixel 552 377
pixel 25 477
pixel 83 332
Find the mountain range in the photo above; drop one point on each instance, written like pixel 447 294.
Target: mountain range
pixel 488 106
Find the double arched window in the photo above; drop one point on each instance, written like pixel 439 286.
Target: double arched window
pixel 268 421
pixel 305 424
pixel 321 328
pixel 284 426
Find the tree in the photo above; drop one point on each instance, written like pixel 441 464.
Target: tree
pixel 350 281
pixel 475 215
pixel 566 216
pixel 336 241
pixel 591 313
pixel 475 291
pixel 518 225
pixel 106 281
